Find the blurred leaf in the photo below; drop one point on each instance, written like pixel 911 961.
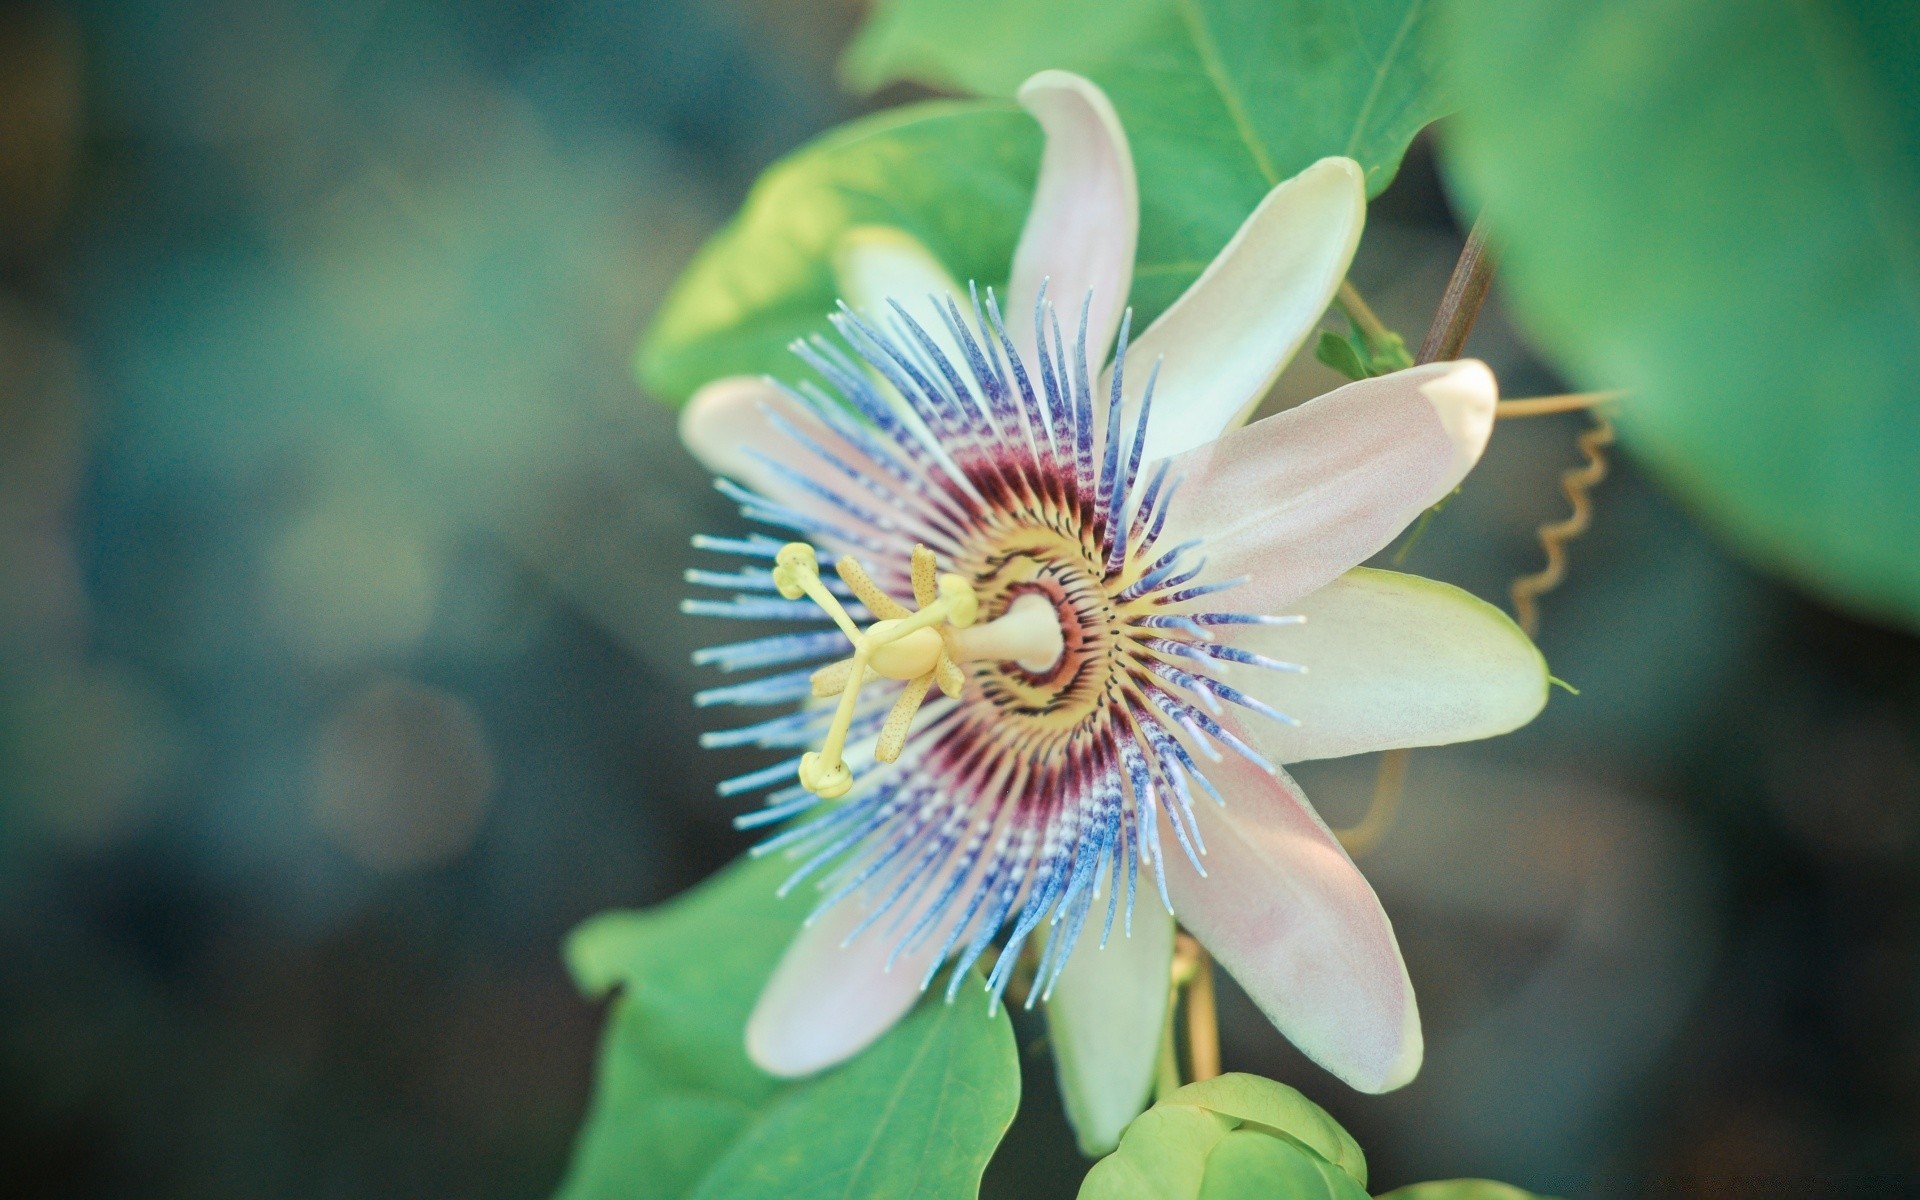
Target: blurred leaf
pixel 680 1111
pixel 1163 1154
pixel 1222 99
pixel 1386 355
pixel 1717 207
pixel 955 174
pixel 1458 1189
pixel 1174 1149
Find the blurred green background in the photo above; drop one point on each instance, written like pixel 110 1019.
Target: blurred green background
pixel 341 672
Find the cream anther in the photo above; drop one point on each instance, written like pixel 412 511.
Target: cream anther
pixel 913 647
pixel 920 649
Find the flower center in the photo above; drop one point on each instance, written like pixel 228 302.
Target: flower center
pixel 918 648
pixel 1044 576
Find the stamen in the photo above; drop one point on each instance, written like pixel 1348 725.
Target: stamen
pixel 912 647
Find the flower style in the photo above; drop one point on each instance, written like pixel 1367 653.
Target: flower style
pixel 1134 612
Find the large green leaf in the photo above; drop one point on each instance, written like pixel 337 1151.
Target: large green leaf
pixel 1231 1137
pixel 679 1110
pixel 1221 99
pixel 917 1115
pixel 955 174
pixel 1717 207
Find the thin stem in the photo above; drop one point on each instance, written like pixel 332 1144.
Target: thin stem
pixel 1203 1019
pixel 1192 981
pixel 1575 484
pixel 1466 292
pixel 1541 406
pixel 1166 1073
pixel 1361 313
pixel 1024 969
pixel 1388 785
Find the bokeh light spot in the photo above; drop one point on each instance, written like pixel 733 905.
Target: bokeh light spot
pixel 88 747
pixel 350 581
pixel 402 776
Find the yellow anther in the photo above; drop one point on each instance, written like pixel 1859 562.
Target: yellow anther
pixel 914 647
pixel 830 782
pixel 796 572
pixel 947 674
pixel 795 561
pixel 925 569
pixel 832 679
pixel 962 605
pixel 862 585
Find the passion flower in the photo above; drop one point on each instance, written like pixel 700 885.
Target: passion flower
pixel 1134 611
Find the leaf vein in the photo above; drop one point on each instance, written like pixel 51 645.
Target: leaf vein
pixel 893 1102
pixel 1216 70
pixel 1865 141
pixel 1383 65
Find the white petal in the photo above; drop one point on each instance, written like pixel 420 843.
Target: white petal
pixel 1105 1021
pixel 1392 660
pixel 1465 396
pixel 1288 914
pixel 1292 501
pixel 826 1002
pixel 876 263
pixel 1227 338
pixel 724 421
pixel 729 426
pixel 1080 232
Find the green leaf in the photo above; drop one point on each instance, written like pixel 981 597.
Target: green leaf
pixel 917 1115
pixel 1388 354
pixel 1459 1189
pixel 1221 99
pixel 956 175
pixel 680 1111
pixel 1278 1109
pixel 1717 207
pixel 1339 353
pixel 1175 1150
pixel 1251 1166
pixel 1163 1154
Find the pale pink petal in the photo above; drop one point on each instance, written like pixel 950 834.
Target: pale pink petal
pixel 878 266
pixel 1226 339
pixel 827 1002
pixel 1085 219
pixel 1391 660
pixel 1105 1018
pixel 1292 501
pixel 1288 914
pixel 729 425
pixel 724 423
pixel 873 264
